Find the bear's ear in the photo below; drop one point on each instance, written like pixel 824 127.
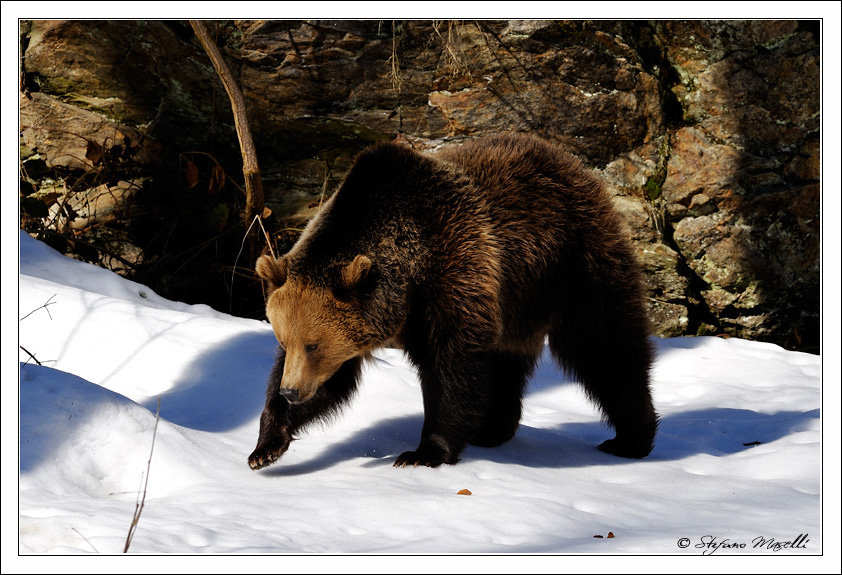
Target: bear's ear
pixel 355 273
pixel 272 270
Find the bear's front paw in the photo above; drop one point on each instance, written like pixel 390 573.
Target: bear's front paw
pixel 434 450
pixel 431 453
pixel 416 458
pixel 265 455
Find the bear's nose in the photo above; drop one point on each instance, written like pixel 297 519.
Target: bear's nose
pixel 290 394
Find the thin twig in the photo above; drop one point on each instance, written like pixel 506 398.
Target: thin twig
pixel 328 171
pixel 257 219
pixel 394 64
pixel 86 539
pixel 447 45
pixel 139 505
pixel 49 302
pixel 268 242
pixel 29 353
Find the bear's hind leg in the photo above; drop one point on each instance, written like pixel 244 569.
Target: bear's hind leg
pixel 507 382
pixel 614 371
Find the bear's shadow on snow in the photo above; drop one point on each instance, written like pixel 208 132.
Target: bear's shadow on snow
pixel 222 388
pixel 216 394
pixel 717 432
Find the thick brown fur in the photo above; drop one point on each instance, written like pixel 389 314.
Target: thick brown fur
pixel 467 260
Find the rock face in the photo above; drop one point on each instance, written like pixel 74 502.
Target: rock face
pixel 706 132
pixel 742 183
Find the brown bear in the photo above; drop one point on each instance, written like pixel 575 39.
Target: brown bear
pixel 469 261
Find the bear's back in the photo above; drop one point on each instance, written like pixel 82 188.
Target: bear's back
pixel 523 173
pixel 522 201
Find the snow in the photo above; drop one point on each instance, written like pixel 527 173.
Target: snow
pixel 738 456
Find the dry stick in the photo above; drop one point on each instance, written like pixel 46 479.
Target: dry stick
pixel 394 64
pixel 251 172
pixel 446 44
pixel 268 242
pixel 49 302
pixel 138 509
pixel 86 539
pixel 328 172
pixel 29 353
pixel 259 220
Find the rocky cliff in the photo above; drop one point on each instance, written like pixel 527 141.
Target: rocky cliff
pixel 706 133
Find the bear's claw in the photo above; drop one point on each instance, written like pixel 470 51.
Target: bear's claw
pixel 416 458
pixel 263 457
pixel 259 461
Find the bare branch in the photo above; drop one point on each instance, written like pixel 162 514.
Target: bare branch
pixel 251 172
pixel 29 353
pixel 49 302
pixel 86 539
pixel 257 219
pixel 139 505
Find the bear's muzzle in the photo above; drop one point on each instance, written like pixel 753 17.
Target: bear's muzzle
pixel 291 395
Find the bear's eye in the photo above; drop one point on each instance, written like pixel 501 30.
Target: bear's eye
pixel 310 348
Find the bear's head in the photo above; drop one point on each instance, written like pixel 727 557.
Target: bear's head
pixel 319 327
